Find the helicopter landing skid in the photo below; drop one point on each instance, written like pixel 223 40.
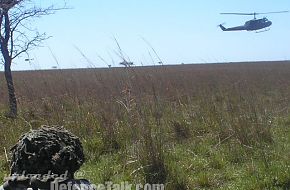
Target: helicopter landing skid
pixel 266 30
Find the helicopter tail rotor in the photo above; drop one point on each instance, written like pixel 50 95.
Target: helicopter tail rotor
pixel 222 27
pixel 221 24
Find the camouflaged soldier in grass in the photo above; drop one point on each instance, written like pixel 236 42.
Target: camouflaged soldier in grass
pixel 46 158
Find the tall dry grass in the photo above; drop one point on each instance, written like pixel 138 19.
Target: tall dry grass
pixel 142 114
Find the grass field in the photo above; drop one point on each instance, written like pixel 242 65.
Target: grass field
pixel 211 126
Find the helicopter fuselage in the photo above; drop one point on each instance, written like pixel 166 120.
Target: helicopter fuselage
pixel 251 25
pixel 257 24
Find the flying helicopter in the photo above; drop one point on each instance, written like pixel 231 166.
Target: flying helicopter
pixel 252 25
pixel 126 63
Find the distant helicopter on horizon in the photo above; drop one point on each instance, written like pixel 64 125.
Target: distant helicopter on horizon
pixel 126 63
pixel 252 25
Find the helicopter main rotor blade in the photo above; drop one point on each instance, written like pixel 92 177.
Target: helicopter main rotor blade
pixel 237 13
pixel 278 12
pixel 255 13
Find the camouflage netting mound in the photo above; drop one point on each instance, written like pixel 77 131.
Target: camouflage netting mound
pixel 47 149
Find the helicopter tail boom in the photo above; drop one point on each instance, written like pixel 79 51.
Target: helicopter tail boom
pixel 238 28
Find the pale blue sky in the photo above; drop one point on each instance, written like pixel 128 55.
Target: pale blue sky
pixel 181 31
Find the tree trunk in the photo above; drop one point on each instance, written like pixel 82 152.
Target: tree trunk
pixel 4 42
pixel 11 92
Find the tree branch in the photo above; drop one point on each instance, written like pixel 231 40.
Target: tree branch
pixel 14 29
pixel 35 42
pixel 31 13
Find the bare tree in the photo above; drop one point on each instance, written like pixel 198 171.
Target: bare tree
pixel 17 37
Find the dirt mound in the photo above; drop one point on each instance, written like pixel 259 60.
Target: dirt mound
pixel 48 149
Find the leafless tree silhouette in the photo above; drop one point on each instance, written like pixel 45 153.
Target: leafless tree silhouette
pixel 17 37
